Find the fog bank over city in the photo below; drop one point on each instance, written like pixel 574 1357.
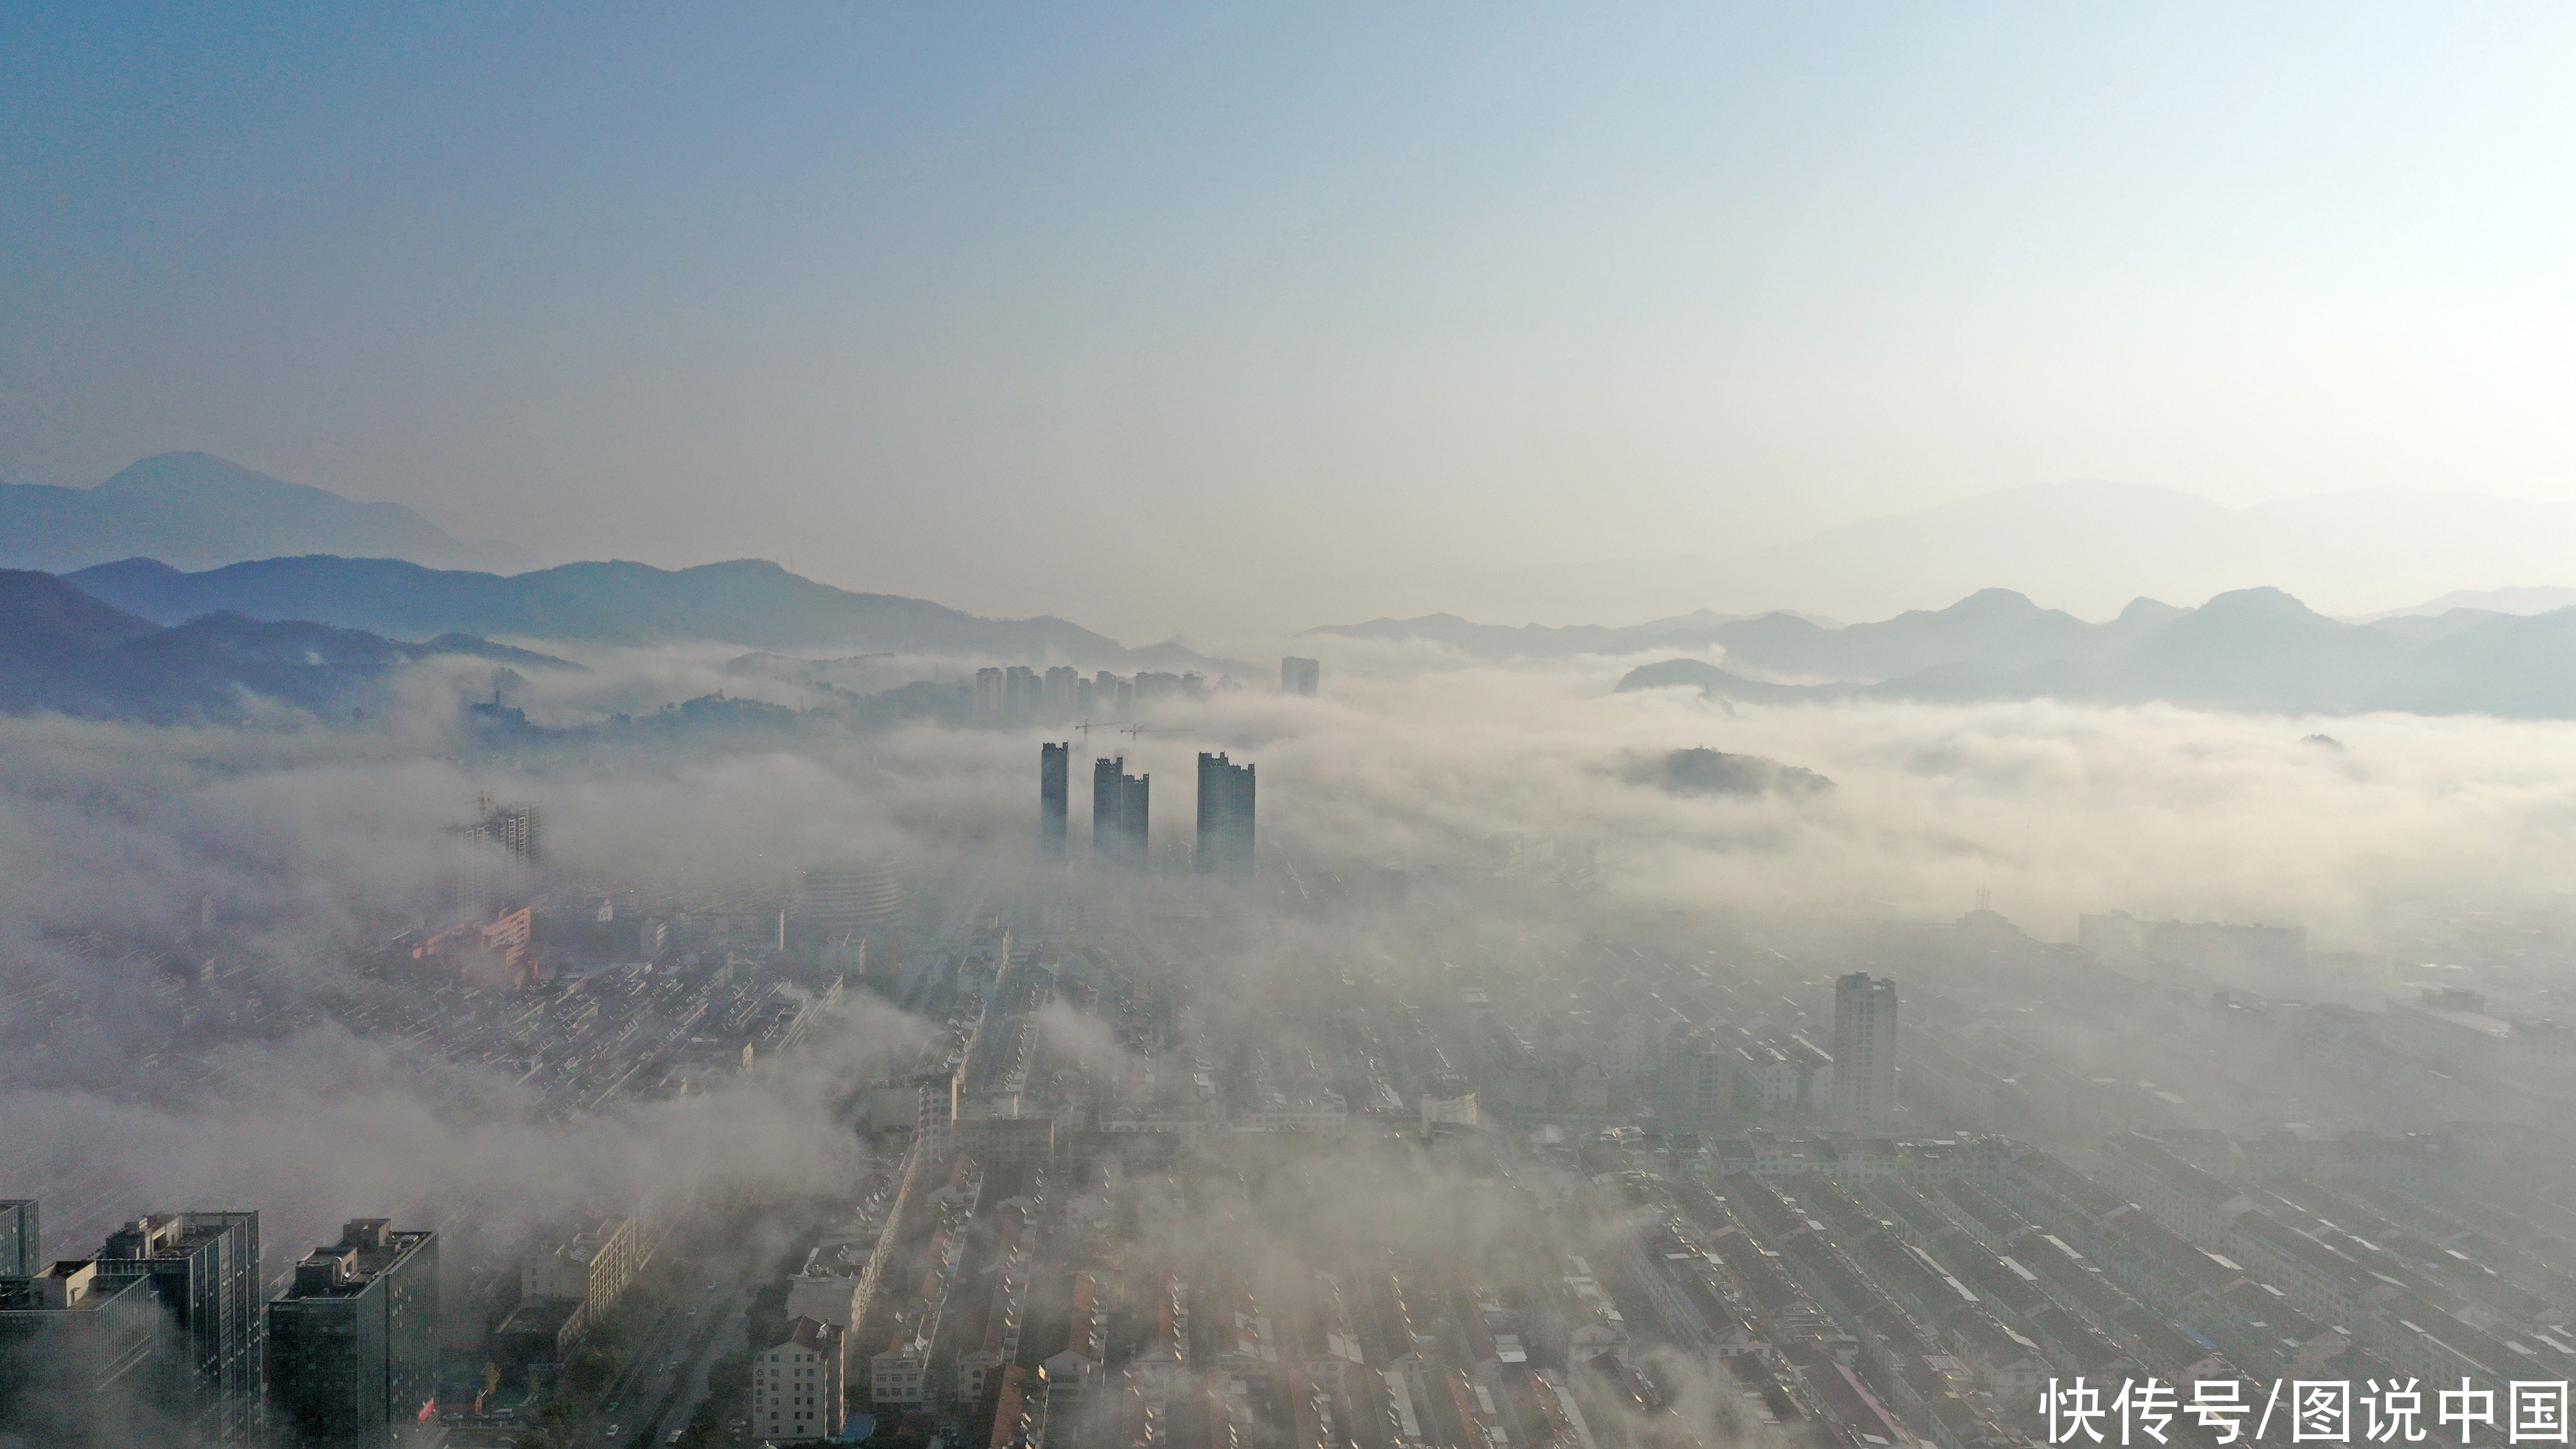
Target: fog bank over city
pixel 752 954
pixel 303 842
pixel 1223 728
pixel 1412 759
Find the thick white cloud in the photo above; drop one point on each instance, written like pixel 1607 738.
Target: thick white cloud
pixel 310 839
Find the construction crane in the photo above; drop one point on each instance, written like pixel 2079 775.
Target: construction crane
pixel 1128 728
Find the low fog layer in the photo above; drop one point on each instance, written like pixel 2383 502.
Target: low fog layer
pixel 2057 809
pixel 140 867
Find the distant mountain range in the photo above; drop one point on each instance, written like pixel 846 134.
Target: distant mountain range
pixel 139 639
pixel 747 602
pixel 63 651
pixel 2250 649
pixel 196 510
pixel 2493 601
pixel 2087 546
pixel 1538 641
pixel 2082 545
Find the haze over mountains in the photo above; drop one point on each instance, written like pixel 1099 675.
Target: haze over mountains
pixel 306 630
pixel 1540 641
pixel 2091 546
pixel 63 651
pixel 2500 601
pixel 1784 642
pixel 195 510
pixel 750 602
pixel 2084 546
pixel 2250 649
pixel 2259 648
pixel 2087 547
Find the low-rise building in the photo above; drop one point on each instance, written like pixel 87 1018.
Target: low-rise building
pixel 797 1385
pixel 592 1264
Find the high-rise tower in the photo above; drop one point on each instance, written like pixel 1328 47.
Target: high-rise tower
pixel 517 829
pixel 353 1346
pixel 1298 676
pixel 1118 813
pixel 21 1252
pixel 1020 690
pixel 1864 1050
pixel 1225 816
pixel 1055 780
pixel 204 1267
pixel 1059 691
pixel 86 1361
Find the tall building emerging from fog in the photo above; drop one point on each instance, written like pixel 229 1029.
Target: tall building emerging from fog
pixel 84 1361
pixel 204 1269
pixel 353 1346
pixel 20 1250
pixel 515 828
pixel 1225 816
pixel 1119 804
pixel 1299 676
pixel 1864 1049
pixel 860 895
pixel 475 874
pixel 1055 783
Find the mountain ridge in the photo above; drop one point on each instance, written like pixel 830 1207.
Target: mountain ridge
pixel 2257 649
pixel 753 603
pixel 66 652
pixel 2085 545
pixel 198 510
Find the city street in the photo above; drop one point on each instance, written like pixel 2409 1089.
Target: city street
pixel 667 1379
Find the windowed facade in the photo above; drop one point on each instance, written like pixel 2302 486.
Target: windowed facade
pixel 797 1390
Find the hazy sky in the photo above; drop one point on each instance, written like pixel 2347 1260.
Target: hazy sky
pixel 1151 315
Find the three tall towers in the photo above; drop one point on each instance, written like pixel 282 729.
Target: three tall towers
pixel 1121 807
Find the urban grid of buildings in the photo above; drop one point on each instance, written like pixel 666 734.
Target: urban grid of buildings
pixel 1343 1157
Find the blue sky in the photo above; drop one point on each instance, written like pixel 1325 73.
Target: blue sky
pixel 1143 314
